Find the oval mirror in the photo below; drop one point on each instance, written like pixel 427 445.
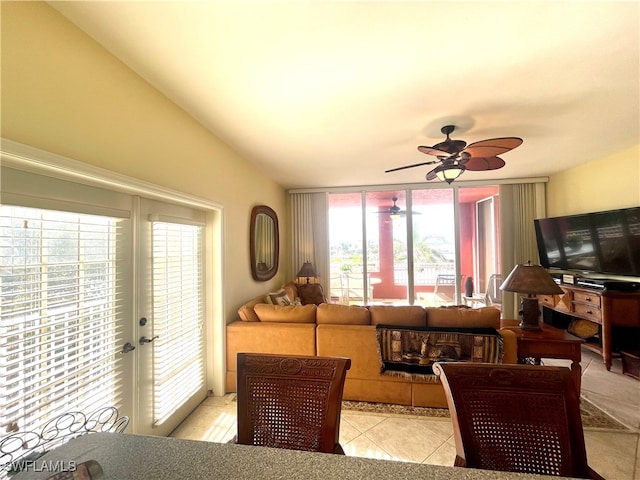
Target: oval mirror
pixel 264 243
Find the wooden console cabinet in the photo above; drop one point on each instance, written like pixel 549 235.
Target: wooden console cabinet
pixel 608 309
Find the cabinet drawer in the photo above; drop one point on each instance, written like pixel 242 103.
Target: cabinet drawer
pixel 547 300
pixel 588 311
pixel 561 303
pixel 587 297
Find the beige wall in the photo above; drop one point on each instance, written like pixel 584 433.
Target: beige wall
pixel 605 184
pixel 63 93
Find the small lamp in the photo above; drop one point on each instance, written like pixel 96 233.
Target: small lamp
pixel 307 270
pixel 532 280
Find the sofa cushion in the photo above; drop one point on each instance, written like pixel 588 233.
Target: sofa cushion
pixel 246 311
pixel 286 314
pixel 342 314
pixel 409 315
pixel 278 298
pixel 463 317
pixel 311 293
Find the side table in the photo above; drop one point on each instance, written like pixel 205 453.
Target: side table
pixel 549 342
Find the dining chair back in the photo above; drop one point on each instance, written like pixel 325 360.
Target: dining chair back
pixel 293 402
pixel 516 418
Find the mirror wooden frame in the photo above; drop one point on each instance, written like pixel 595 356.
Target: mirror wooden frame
pixel 263 275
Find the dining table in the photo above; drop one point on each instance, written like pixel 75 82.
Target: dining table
pixel 122 456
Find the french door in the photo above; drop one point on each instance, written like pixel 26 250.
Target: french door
pixel 102 305
pixel 171 326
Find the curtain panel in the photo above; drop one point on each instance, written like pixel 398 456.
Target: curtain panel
pixel 520 204
pixel 310 234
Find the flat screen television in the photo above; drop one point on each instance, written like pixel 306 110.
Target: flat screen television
pixel 601 242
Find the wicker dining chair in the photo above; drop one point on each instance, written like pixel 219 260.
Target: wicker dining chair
pixel 516 418
pixel 292 402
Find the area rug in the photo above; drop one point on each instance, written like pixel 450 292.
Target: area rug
pixel 592 416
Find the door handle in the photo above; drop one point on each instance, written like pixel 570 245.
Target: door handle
pixel 127 347
pixel 144 339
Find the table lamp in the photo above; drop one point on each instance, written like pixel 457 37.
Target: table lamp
pixel 532 280
pixel 307 271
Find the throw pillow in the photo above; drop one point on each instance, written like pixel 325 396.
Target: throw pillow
pixel 583 328
pixel 278 298
pixel 311 293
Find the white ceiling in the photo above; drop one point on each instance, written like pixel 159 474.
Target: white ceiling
pixel 333 93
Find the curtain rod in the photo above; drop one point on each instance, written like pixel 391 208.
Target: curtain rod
pixel 419 186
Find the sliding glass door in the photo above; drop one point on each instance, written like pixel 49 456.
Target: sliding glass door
pixel 411 246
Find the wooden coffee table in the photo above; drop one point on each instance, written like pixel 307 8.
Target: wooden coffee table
pixel 549 342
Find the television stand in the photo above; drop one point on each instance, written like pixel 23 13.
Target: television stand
pixel 613 311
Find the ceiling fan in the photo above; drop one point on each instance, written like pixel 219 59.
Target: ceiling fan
pixel 455 156
pixel 395 211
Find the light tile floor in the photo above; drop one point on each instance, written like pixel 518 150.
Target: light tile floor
pixel 615 454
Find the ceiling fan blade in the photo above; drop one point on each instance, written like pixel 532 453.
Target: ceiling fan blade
pixel 478 164
pixel 451 146
pixel 432 174
pixel 410 166
pixel 433 151
pixel 493 146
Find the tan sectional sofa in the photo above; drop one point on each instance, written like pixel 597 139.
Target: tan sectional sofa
pixel 350 331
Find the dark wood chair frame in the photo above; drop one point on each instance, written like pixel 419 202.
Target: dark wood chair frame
pixel 287 401
pixel 516 418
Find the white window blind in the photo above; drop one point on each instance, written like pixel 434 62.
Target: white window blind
pixel 60 315
pixel 178 316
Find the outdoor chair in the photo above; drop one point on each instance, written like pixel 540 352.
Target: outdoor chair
pixel 353 285
pixel 292 402
pixel 516 418
pixel 444 291
pixel 494 294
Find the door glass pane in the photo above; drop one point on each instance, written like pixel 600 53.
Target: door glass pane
pixel 387 217
pixel 434 247
pixel 178 316
pixel 346 246
pixel 479 244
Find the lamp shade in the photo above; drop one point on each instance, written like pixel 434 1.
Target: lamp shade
pixel 448 173
pixel 307 270
pixel 530 279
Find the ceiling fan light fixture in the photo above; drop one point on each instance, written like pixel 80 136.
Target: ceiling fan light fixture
pixel 448 173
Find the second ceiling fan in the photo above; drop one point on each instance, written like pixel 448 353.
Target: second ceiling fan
pixel 455 156
pixel 394 211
